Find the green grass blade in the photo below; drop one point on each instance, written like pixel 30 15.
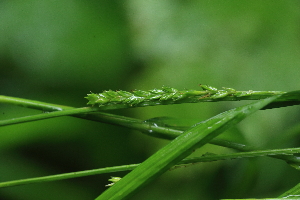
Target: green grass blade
pixel 188 96
pixel 137 124
pixel 70 175
pixel 178 149
pixel 28 103
pixel 46 116
pixel 269 152
pixel 204 158
pixel 287 99
pixel 156 131
pixel 293 192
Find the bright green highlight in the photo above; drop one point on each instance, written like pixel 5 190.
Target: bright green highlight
pixel 113 180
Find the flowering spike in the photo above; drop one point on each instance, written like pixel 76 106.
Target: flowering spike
pixel 168 95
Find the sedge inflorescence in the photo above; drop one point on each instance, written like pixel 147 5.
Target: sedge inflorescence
pixel 136 96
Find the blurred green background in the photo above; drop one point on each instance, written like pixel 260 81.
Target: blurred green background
pixel 58 51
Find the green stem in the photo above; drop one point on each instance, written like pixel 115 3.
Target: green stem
pixel 27 103
pixel 46 115
pixel 144 127
pixel 156 131
pixel 204 158
pixel 68 175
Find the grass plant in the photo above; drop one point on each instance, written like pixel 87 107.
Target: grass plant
pixel 183 142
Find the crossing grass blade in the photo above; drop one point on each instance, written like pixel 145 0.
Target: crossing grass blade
pixel 287 99
pixel 292 193
pixel 195 137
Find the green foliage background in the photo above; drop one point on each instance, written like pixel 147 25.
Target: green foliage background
pixel 58 51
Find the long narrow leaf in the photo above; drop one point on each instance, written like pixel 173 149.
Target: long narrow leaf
pixel 46 116
pixel 178 149
pixel 204 158
pixel 156 131
pixel 292 193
